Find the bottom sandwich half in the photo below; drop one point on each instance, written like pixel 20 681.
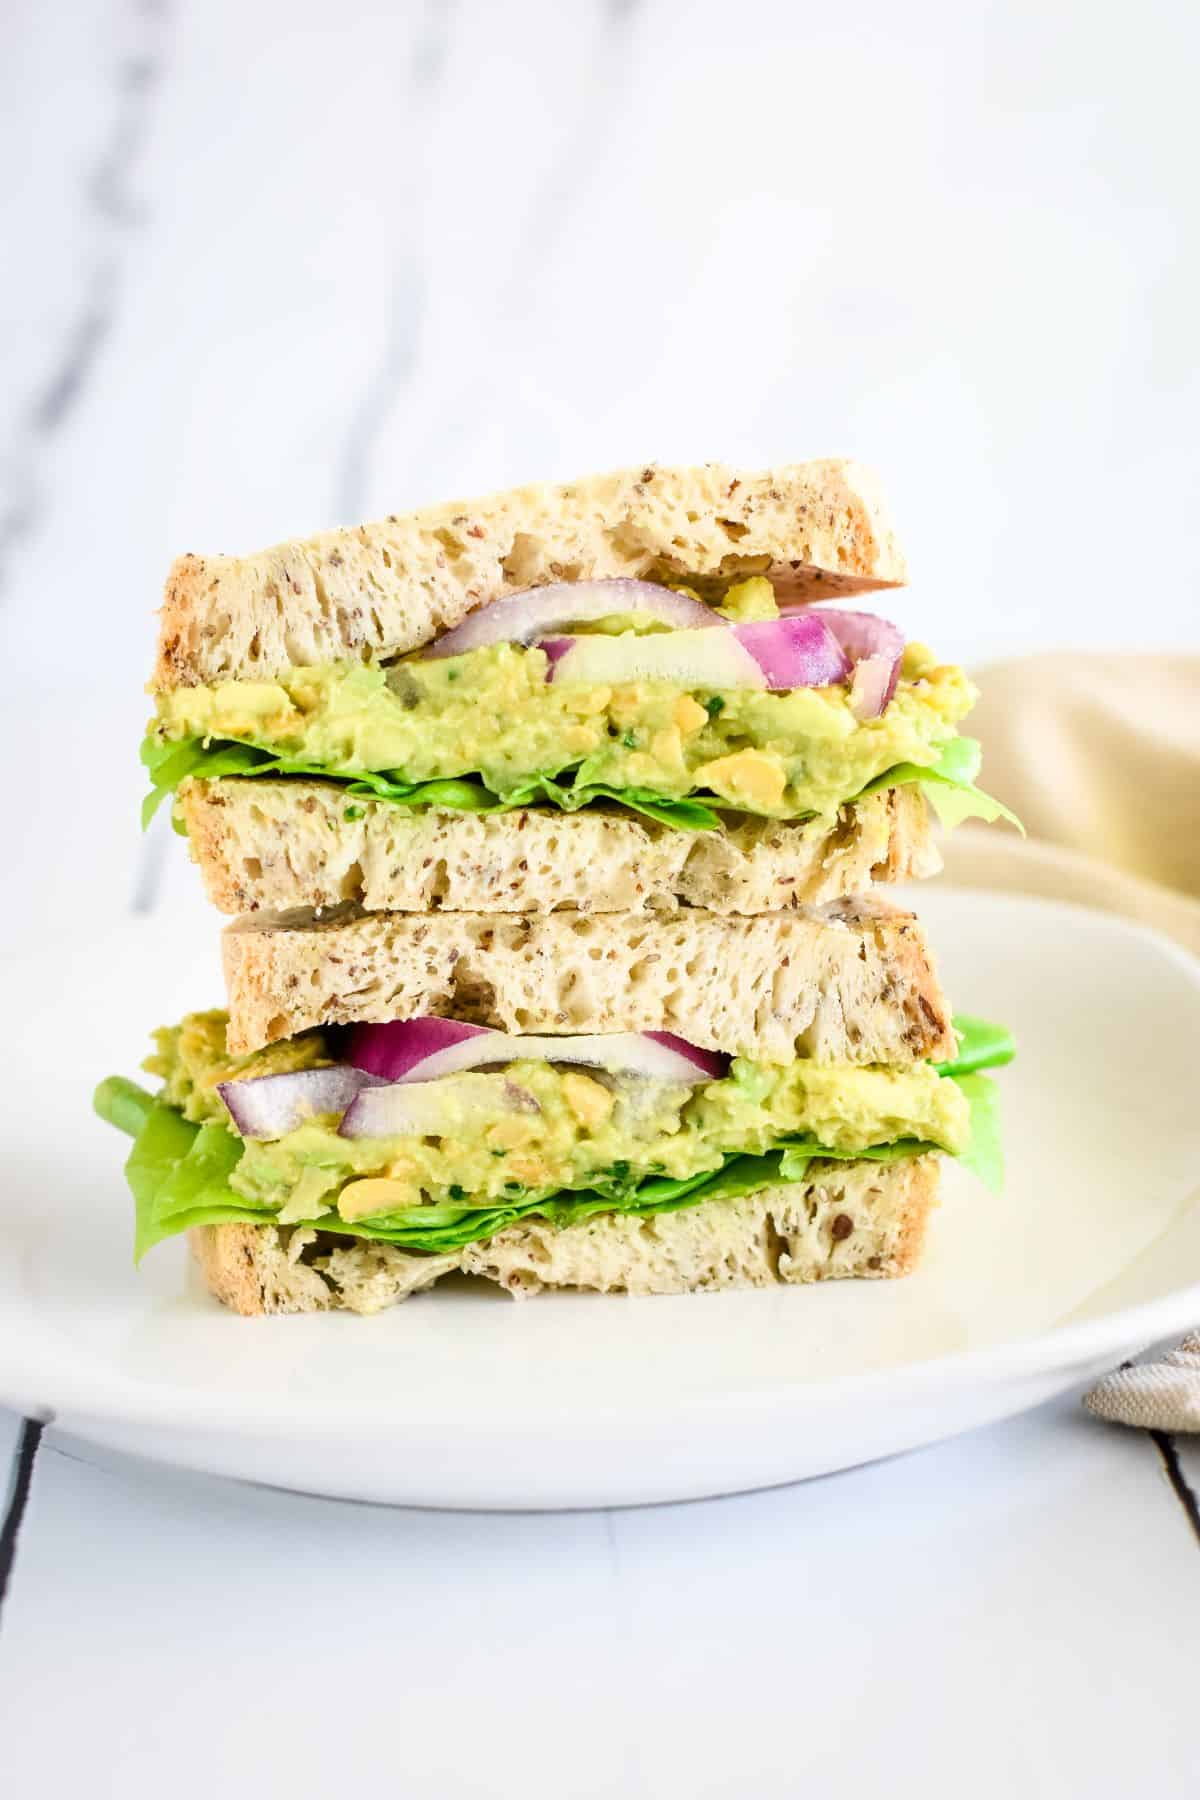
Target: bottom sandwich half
pixel 352 1168
pixel 843 1219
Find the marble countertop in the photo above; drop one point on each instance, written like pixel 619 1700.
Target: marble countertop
pixel 275 265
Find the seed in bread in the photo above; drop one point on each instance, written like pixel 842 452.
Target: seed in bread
pixel 846 1220
pixel 817 529
pixel 854 982
pixel 275 846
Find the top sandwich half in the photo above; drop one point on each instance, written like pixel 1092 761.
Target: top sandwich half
pixel 338 715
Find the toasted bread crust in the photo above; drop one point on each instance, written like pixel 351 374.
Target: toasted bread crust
pixel 247 1268
pixel 847 1221
pixel 276 846
pixel 853 983
pixel 818 529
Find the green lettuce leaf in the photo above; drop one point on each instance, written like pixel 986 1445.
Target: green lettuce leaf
pixel 981 1045
pixel 179 1172
pixel 794 1160
pixel 984 1155
pixel 949 784
pixel 161 1144
pixel 169 764
pixel 123 1104
pixel 685 815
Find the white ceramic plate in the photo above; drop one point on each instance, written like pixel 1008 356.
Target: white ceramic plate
pixel 464 1398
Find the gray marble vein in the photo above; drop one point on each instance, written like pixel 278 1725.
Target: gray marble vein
pixel 565 175
pixel 151 865
pixel 110 216
pixel 407 294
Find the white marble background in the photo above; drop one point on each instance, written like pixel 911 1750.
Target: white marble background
pixel 280 263
pixel 276 264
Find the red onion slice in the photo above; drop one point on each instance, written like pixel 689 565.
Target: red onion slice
pixel 711 1064
pixel 422 1054
pixel 394 1050
pixel 269 1106
pixel 797 651
pixel 520 618
pixel 875 646
pixel 872 685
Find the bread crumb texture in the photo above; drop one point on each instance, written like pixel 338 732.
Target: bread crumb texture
pixel 817 529
pixel 274 846
pixel 848 1220
pixel 853 982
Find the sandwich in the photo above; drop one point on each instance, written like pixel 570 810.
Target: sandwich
pixel 353 1167
pixel 619 1102
pixel 384 715
pixel 554 829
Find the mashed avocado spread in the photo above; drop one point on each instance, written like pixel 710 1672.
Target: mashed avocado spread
pixel 492 713
pixel 490 718
pixel 538 1126
pixel 534 1137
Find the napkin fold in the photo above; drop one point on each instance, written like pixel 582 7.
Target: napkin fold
pixel 1163 1395
pixel 1099 755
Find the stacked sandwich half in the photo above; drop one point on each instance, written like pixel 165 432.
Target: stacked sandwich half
pixel 553 826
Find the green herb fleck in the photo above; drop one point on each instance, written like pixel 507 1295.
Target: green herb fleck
pixel 713 705
pixel 630 740
pixel 354 812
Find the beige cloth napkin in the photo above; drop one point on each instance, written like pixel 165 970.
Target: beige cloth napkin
pixel 1100 756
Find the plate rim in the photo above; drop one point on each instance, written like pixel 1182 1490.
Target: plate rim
pixel 1064 1347
pixel 125 1401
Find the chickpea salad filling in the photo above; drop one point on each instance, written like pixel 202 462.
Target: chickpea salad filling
pixel 475 1135
pixel 750 711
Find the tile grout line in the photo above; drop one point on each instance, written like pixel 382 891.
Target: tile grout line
pixel 1181 1487
pixel 22 1481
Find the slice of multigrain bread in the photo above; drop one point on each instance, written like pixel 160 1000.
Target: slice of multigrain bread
pixel 275 846
pixel 854 982
pixel 817 529
pixel 846 1220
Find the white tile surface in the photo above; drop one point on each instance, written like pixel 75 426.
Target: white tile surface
pixel 277 264
pixel 1011 1612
